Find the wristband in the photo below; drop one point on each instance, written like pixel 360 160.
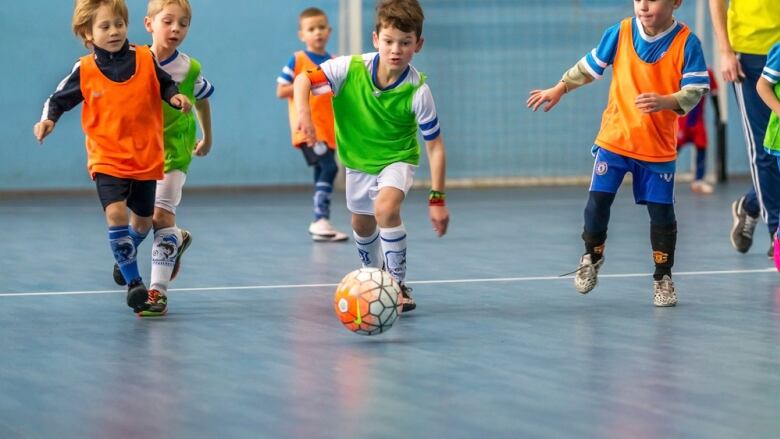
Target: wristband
pixel 436 198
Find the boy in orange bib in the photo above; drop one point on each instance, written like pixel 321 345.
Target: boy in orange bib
pixel 121 86
pixel 659 73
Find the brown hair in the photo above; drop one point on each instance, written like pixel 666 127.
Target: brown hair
pixel 404 15
pixel 156 6
pixel 312 12
pixel 84 14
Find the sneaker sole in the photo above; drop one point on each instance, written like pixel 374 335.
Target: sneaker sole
pixel 186 240
pixel 330 238
pixel 669 305
pixel 147 313
pixel 406 307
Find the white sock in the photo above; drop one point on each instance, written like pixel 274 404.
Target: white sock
pixel 165 249
pixel 394 249
pixel 369 248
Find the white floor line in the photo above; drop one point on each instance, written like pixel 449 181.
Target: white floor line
pixel 422 282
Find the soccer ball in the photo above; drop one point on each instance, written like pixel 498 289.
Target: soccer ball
pixel 368 301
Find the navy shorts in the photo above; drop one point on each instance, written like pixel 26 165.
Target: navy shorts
pixel 649 186
pixel 139 194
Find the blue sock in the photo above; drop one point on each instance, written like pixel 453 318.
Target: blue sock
pixel 322 194
pixel 124 252
pixel 137 237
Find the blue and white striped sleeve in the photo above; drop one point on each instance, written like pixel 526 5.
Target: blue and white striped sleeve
pixel 694 72
pixel 602 56
pixel 771 71
pixel 288 73
pixel 424 108
pixel 203 88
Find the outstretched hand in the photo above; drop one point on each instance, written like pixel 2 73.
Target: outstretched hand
pixel 43 129
pixel 551 96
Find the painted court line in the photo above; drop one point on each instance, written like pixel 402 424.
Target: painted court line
pixel 422 282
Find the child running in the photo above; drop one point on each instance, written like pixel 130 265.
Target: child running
pixel 659 73
pixel 121 87
pixel 768 88
pixel 380 102
pixel 314 31
pixel 169 21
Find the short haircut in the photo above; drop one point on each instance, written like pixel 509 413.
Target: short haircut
pixel 312 12
pixel 404 15
pixel 84 14
pixel 156 6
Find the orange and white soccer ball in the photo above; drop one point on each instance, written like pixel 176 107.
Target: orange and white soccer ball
pixel 368 301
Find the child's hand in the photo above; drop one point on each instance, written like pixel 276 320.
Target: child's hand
pixel 306 127
pixel 202 148
pixel 653 102
pixel 43 129
pixel 180 101
pixel 440 218
pixel 551 96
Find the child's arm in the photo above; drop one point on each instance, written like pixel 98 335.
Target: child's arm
pixel 284 82
pixel 767 92
pixel 302 89
pixel 437 210
pixel 65 97
pixel 203 112
pixel 284 91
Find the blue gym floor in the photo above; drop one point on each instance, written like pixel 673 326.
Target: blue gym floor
pixel 498 347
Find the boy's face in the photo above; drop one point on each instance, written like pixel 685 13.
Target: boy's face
pixel 169 27
pixel 314 32
pixel 396 47
pixel 654 14
pixel 109 30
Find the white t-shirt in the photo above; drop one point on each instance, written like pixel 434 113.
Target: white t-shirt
pixel 178 65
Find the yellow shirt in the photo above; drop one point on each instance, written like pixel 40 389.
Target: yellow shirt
pixel 753 25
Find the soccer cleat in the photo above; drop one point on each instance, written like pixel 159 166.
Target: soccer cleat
pixel 118 278
pixel 664 293
pixel 586 275
pixel 406 299
pixel 322 231
pixel 156 305
pixel 743 227
pixel 702 187
pixel 137 295
pixel 186 240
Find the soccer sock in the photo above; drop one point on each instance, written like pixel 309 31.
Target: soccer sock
pixel 322 195
pixel 137 237
pixel 165 250
pixel 369 248
pixel 124 252
pixel 394 249
pixel 596 217
pixel 701 161
pixel 663 240
pixel 594 245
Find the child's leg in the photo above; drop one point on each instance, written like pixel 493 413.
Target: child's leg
pixel 367 240
pixel 168 239
pixel 663 238
pixel 325 172
pixel 596 215
pixel 122 246
pixel 701 162
pixel 392 232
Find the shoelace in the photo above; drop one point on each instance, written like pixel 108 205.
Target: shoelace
pixel 748 226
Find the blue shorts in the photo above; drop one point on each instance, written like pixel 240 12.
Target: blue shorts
pixel 649 186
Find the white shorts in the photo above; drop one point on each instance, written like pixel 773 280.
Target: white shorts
pixel 168 194
pixel 362 188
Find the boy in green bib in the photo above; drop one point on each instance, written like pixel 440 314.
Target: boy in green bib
pixel 168 21
pixel 768 87
pixel 380 102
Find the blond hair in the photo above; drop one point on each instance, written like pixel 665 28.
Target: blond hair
pixel 156 6
pixel 84 15
pixel 404 15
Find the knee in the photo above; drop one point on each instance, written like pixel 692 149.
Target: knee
pixel 387 213
pixel 661 215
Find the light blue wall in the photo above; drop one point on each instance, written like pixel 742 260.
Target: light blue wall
pixel 482 58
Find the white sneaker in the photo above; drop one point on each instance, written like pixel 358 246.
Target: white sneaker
pixel 664 293
pixel 586 276
pixel 702 187
pixel 322 230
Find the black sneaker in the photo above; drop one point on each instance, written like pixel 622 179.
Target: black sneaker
pixel 137 295
pixel 406 299
pixel 743 227
pixel 118 278
pixel 186 240
pixel 156 305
